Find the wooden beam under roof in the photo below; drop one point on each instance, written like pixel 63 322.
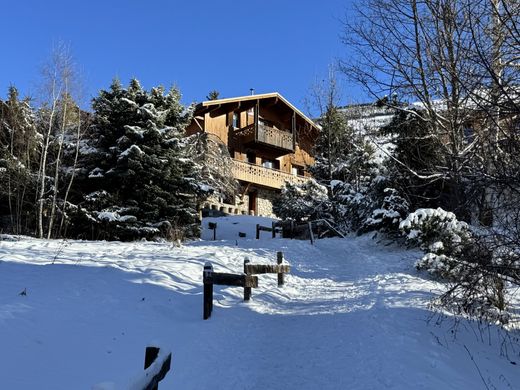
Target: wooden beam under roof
pixel 224 108
pixel 214 108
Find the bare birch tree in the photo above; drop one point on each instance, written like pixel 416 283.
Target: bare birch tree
pixel 59 84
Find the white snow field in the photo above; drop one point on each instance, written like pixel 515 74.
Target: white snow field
pixel 352 315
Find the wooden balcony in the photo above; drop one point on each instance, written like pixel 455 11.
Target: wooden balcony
pixel 267 136
pixel 262 176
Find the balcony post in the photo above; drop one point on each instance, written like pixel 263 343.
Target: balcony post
pixel 293 130
pixel 257 113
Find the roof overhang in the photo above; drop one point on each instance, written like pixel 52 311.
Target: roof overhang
pixel 209 105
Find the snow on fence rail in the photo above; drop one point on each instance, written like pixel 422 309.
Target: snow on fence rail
pixel 247 280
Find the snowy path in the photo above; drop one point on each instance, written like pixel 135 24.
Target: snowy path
pixel 353 314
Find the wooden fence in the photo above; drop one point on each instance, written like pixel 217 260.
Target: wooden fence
pixel 247 280
pixel 310 230
pixel 156 366
pixel 158 372
pixel 274 228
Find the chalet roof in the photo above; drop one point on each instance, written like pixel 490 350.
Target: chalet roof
pixel 208 103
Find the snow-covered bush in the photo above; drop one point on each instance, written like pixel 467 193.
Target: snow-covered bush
pixel 441 236
pixel 464 258
pixel 303 202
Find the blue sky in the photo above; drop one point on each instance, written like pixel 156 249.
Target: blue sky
pixel 230 46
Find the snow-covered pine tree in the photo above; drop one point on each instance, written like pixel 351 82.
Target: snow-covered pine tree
pixel 213 160
pixel 334 141
pixel 345 163
pixel 138 180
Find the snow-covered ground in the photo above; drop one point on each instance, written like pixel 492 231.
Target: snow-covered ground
pixel 352 315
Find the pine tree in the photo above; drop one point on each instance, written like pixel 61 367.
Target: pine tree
pixel 416 155
pixel 139 181
pixel 213 95
pixel 334 141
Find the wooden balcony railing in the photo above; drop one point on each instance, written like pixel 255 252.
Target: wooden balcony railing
pixel 266 177
pixel 267 135
pixel 271 136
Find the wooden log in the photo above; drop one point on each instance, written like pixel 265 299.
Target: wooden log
pixel 150 356
pixel 247 290
pixel 239 280
pixel 256 269
pixel 279 261
pixel 264 228
pixel 208 290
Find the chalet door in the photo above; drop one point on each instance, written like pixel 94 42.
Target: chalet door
pixel 252 202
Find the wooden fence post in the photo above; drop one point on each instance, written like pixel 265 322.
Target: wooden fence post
pixel 279 260
pixel 274 229
pixel 311 233
pixel 150 355
pixel 207 275
pixel 257 231
pixel 213 226
pixel 247 290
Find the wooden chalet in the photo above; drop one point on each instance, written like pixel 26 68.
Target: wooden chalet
pixel 269 141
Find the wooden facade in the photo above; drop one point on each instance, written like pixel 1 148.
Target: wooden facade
pixel 269 140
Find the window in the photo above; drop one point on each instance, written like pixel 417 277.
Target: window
pixel 236 120
pixel 267 164
pixel 297 170
pixel 272 164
